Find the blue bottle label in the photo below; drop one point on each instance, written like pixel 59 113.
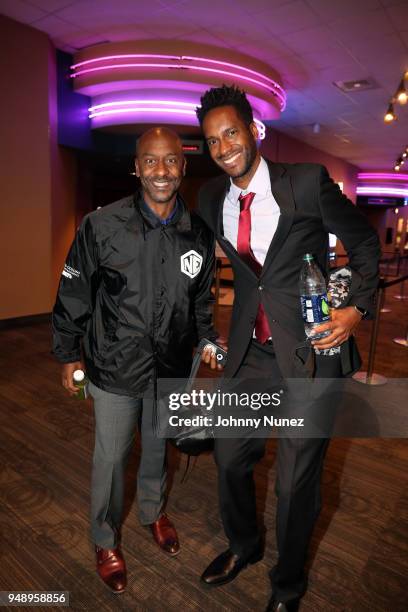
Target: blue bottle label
pixel 315 308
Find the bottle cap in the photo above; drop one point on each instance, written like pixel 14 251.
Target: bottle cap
pixel 308 257
pixel 78 375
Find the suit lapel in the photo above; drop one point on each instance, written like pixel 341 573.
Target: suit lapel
pixel 225 244
pixel 221 195
pixel 283 194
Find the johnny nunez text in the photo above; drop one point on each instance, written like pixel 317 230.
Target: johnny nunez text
pixel 230 421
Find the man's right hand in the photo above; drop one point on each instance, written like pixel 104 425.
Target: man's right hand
pixel 208 354
pixel 67 379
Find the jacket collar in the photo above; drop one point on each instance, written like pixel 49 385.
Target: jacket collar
pixel 140 222
pixel 282 190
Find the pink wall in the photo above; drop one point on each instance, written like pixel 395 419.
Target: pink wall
pixel 283 148
pixel 36 199
pixel 25 192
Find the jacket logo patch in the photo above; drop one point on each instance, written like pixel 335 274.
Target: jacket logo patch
pixel 191 263
pixel 70 272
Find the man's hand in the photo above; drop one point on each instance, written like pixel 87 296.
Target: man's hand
pixel 342 325
pixel 208 353
pixel 66 376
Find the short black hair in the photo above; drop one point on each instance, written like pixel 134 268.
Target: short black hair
pixel 225 96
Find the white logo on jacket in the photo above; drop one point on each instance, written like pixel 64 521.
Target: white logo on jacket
pixel 70 272
pixel 191 263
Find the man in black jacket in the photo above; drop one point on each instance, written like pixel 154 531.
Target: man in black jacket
pixel 266 216
pixel 134 296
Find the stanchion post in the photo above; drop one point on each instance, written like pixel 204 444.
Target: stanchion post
pixel 369 377
pixel 382 302
pixel 374 334
pixel 401 295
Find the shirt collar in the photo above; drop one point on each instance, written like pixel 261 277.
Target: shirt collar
pixel 260 184
pixel 155 220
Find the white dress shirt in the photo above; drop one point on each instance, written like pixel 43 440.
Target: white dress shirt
pixel 264 212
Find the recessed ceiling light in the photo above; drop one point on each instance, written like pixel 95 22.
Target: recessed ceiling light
pixel 359 85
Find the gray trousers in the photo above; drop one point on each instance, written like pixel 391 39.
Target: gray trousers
pixel 116 419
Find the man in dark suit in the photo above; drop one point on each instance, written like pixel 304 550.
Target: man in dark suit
pixel 266 216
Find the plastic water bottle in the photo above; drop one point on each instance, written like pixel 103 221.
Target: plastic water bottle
pixel 313 297
pixel 81 382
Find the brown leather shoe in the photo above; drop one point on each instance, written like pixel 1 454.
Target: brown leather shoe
pixel 111 568
pixel 165 535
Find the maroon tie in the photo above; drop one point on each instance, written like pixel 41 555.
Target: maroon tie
pixel 262 329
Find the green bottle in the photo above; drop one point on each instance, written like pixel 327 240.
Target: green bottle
pixel 80 381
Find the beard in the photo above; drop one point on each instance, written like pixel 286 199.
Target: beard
pixel 249 156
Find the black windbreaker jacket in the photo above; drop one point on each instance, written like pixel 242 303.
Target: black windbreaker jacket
pixel 135 296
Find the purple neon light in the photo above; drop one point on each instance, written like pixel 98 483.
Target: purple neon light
pixel 165 106
pixel 140 109
pixel 374 190
pixel 230 65
pixel 383 175
pixel 179 58
pixel 129 102
pixel 199 68
pixel 123 56
pixel 278 91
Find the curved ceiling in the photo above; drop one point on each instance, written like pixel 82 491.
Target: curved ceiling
pixel 310 43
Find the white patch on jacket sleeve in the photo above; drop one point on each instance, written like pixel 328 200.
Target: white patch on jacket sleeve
pixel 191 263
pixel 70 272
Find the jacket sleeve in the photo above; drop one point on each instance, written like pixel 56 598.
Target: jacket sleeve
pixel 204 205
pixel 201 207
pixel 203 298
pixel 75 297
pixel 360 240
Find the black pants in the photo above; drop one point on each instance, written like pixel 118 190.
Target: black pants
pixel 299 467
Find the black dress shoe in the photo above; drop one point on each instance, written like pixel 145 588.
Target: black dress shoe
pixel 226 567
pixel 282 606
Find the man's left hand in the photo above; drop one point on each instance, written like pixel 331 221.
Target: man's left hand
pixel 343 323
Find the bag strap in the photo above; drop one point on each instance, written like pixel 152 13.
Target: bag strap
pixel 195 366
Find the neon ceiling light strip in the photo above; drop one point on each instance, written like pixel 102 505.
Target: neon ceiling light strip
pixel 276 89
pixel 134 106
pixel 182 67
pixel 236 66
pixel 383 175
pixel 129 102
pixel 140 109
pixel 179 58
pixel 374 190
pixel 124 56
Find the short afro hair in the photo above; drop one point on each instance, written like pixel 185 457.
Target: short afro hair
pixel 225 96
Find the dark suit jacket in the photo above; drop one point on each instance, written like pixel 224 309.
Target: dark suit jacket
pixel 311 205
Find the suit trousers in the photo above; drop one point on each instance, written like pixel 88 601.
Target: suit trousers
pixel 299 467
pixel 116 421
